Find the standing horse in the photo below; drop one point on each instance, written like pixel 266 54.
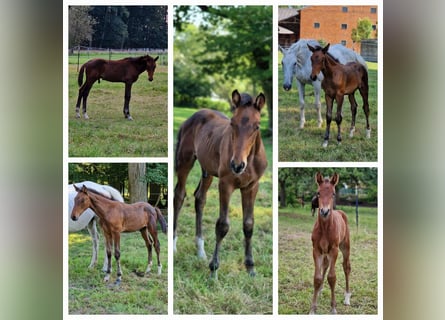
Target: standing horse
pixel 232 150
pixel 126 70
pixel 116 217
pixel 330 233
pixel 88 218
pixel 297 61
pixel 340 80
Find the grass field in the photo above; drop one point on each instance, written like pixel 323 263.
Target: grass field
pixel 296 266
pixel 295 144
pixel 107 133
pixel 234 292
pixel 88 294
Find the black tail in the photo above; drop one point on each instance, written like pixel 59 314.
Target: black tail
pixel 161 220
pixel 80 76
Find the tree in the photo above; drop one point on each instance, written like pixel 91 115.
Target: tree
pixel 157 178
pixel 147 27
pixel 363 30
pixel 111 29
pixel 81 25
pixel 237 44
pixel 137 186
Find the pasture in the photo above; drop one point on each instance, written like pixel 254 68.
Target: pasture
pixel 88 294
pixel 295 144
pixel 235 292
pixel 296 266
pixel 107 133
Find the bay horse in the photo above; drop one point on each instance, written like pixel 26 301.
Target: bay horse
pixel 88 218
pixel 125 70
pixel 340 80
pixel 232 150
pixel 297 62
pixel 330 233
pixel 116 217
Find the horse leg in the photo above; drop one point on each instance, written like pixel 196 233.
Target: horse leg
pixel 353 103
pixel 338 119
pixel 347 269
pixel 364 93
pixel 92 229
pixel 200 200
pixel 144 233
pixel 79 99
pixel 222 224
pixel 332 278
pixel 317 91
pixel 128 86
pixel 117 255
pixel 184 162
pixel 108 246
pixel 329 102
pixel 318 279
pixel 248 200
pixel 301 94
pixel 157 249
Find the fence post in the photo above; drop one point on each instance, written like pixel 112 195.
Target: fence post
pixel 356 206
pixel 78 57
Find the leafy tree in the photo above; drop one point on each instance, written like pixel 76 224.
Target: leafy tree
pixel 81 25
pixel 363 30
pixel 147 27
pixel 111 29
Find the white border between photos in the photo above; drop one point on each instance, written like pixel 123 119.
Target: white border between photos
pixel 276 164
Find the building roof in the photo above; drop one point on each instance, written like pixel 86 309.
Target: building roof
pixel 282 30
pixel 286 13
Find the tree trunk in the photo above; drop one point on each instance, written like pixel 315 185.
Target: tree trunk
pixel 137 186
pixel 282 194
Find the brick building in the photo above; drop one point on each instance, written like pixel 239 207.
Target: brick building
pixel 332 24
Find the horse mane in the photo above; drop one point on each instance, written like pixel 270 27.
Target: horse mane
pixel 100 194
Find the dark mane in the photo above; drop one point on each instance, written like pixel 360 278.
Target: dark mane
pixel 100 194
pixel 318 48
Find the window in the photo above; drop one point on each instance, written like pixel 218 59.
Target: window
pixel 344 9
pixel 373 10
pixel 316 25
pixel 343 42
pixel 374 27
pixel 344 26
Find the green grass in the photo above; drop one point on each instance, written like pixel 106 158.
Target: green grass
pixel 88 294
pixel 295 144
pixel 234 292
pixel 107 133
pixel 296 266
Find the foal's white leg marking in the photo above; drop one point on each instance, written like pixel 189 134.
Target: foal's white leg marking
pixel 159 268
pixel 129 118
pixel 325 143
pixel 351 132
pixel 368 133
pixel 200 248
pixel 347 298
pixel 174 243
pixel 107 277
pixel 77 114
pixel 85 115
pixel 149 267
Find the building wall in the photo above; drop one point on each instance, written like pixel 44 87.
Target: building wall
pixel 330 20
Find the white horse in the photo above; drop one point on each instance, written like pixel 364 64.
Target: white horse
pixel 88 218
pixel 297 61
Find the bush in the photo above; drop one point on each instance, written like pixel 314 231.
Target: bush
pixel 205 102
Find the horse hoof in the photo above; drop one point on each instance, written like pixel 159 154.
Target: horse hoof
pixel 347 301
pixel 214 275
pixel 85 116
pixel 368 133
pixel 77 115
pixel 325 143
pixel 351 133
pixel 333 311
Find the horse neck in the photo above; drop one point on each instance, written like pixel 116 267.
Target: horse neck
pixel 99 204
pixel 329 64
pixel 326 224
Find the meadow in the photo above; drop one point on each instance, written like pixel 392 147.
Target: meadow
pixel 299 145
pixel 88 294
pixel 107 133
pixel 235 292
pixel 296 266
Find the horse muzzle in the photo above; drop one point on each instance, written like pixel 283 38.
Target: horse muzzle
pixel 287 87
pixel 324 212
pixel 74 218
pixel 237 168
pixel 313 77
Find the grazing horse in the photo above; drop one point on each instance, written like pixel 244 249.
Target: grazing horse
pixel 297 61
pixel 232 150
pixel 126 70
pixel 88 218
pixel 116 217
pixel 340 80
pixel 330 233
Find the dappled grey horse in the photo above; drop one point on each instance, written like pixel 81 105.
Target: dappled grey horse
pixel 297 62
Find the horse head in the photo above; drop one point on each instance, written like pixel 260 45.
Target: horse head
pixel 326 193
pixel 81 202
pixel 289 63
pixel 317 59
pixel 151 66
pixel 245 125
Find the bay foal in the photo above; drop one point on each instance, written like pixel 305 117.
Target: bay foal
pixel 330 233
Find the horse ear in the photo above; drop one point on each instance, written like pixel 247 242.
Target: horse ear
pixel 76 188
pixel 84 189
pixel 156 58
pixel 236 99
pixel 260 101
pixel 311 48
pixel 334 179
pixel 281 49
pixel 325 49
pixel 319 178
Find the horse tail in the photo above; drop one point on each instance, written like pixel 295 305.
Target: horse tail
pixel 161 220
pixel 80 77
pixel 178 143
